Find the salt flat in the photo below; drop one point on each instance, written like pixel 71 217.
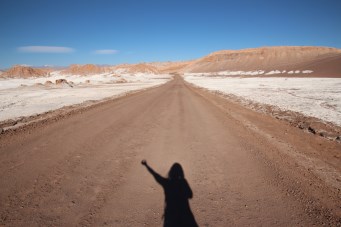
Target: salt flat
pixel 26 97
pixel 315 97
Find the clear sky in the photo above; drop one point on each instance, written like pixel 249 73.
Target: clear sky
pixel 62 32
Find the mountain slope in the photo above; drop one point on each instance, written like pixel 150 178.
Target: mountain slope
pixel 319 59
pixel 137 68
pixel 19 71
pixel 83 70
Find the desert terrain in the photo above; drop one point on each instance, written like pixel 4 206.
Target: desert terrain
pixel 257 132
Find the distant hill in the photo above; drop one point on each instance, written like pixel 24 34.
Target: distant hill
pixel 171 67
pixel 83 70
pixel 324 61
pixel 319 61
pixel 136 68
pixel 19 71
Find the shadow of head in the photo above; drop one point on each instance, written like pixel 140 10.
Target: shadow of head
pixel 176 172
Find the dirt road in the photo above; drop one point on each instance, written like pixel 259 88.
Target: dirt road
pixel 244 168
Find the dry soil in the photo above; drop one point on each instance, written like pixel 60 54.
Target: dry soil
pixel 244 168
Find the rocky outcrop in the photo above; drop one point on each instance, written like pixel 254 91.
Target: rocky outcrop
pixel 64 83
pixel 83 70
pixel 61 81
pixel 19 71
pixel 48 83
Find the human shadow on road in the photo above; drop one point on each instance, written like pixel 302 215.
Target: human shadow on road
pixel 177 193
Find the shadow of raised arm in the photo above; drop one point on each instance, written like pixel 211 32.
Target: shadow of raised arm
pixel 161 180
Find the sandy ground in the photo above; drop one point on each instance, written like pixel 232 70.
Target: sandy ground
pixel 244 168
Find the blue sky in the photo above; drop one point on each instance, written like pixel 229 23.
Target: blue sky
pixel 47 32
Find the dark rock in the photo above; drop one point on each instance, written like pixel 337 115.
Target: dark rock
pixel 310 129
pixel 61 81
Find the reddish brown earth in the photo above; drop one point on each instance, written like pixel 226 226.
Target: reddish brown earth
pixel 144 68
pixel 171 67
pixel 324 61
pixel 244 168
pixel 19 71
pixel 137 68
pixel 87 69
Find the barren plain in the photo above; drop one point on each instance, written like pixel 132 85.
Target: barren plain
pixel 256 131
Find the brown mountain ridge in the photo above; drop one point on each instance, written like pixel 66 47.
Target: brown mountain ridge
pixel 83 70
pixel 322 61
pixel 19 71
